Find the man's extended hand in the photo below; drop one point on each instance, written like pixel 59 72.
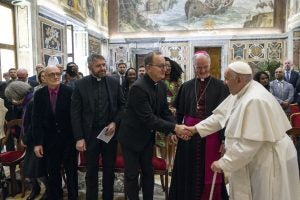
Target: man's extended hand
pixel 182 132
pixel 111 128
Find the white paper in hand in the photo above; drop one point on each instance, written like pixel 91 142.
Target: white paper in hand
pixel 103 137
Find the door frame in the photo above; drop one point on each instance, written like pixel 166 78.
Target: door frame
pixel 223 44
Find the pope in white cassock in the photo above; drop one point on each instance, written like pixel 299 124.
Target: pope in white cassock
pixel 260 157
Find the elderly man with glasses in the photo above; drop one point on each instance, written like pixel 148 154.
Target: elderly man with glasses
pixel 52 133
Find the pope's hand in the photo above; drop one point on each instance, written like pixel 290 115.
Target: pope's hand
pixel 215 167
pixel 191 129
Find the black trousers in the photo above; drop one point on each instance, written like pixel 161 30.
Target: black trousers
pixel 108 153
pixel 134 162
pixel 62 154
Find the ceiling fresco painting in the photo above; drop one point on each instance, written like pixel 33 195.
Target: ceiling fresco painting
pixel 176 15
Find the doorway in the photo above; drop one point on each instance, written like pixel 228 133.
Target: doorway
pixel 215 57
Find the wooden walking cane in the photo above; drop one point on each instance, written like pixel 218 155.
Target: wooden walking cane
pixel 213 186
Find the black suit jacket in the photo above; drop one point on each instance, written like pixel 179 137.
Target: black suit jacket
pixel 32 83
pixel 33 78
pixel 50 128
pixel 83 108
pixel 146 111
pixel 293 78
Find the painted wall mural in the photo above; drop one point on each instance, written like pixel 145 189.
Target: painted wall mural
pixel 179 52
pixel 256 52
pixel 170 15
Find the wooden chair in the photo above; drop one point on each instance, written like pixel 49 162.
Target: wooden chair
pixel 294 108
pixel 13 158
pixel 161 168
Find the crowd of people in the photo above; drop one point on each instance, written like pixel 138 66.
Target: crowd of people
pixel 241 124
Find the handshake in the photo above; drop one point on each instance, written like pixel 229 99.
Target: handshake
pixel 185 132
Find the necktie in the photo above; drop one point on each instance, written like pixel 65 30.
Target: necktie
pixel 280 84
pixel 287 76
pixel 53 99
pixel 121 79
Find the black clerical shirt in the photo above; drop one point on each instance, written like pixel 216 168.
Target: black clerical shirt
pixel 101 102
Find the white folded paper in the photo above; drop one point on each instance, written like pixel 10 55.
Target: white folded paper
pixel 102 136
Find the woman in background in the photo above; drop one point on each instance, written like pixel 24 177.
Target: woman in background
pixel 173 82
pixel 130 78
pixel 263 78
pixel 41 79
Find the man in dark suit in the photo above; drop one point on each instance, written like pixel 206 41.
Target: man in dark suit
pixel 146 111
pixel 290 75
pixel 38 69
pixel 52 131
pixel 97 102
pixel 120 75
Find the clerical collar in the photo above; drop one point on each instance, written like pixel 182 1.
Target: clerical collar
pixel 204 79
pixel 148 79
pixel 97 78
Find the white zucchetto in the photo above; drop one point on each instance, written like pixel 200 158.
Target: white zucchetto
pixel 240 67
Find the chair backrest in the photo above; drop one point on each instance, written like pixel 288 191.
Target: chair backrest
pixel 294 108
pixel 295 120
pixel 8 127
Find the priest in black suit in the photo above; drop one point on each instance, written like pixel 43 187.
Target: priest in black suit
pixel 97 102
pixel 146 112
pixel 52 134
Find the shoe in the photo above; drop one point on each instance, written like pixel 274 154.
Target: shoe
pixel 33 194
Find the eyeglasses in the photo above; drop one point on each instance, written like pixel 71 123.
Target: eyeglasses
pixel 161 66
pixel 52 75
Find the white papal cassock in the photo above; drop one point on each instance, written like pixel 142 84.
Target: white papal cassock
pixel 260 157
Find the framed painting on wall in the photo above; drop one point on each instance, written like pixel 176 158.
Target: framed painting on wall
pixel 52 36
pixel 94 45
pixel 52 60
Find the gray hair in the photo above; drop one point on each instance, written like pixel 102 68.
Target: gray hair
pixel 91 59
pixel 17 90
pixel 201 55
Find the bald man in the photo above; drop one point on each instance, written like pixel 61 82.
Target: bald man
pixel 22 75
pixel 260 157
pixel 52 132
pixel 290 75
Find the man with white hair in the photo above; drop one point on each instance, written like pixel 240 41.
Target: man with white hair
pixel 260 157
